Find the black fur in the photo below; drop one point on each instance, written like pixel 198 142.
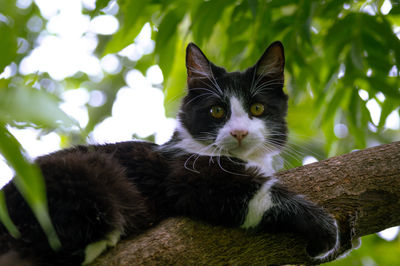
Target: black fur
pixel 130 186
pixel 303 217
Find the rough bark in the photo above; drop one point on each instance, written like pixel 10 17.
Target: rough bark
pixel 361 189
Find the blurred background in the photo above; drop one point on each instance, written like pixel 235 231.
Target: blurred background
pixel 86 71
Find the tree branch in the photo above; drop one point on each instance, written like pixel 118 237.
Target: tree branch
pixel 361 189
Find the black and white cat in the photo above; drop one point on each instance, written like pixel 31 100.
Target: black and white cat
pixel 217 168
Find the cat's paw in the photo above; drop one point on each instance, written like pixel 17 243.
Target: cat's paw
pixel 323 239
pixel 94 250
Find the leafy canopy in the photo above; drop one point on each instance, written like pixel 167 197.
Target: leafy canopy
pixel 342 56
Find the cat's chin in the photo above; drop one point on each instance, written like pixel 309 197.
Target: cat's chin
pixel 247 154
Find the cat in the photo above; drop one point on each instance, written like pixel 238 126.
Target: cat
pixel 217 168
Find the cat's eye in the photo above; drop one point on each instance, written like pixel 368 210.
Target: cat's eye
pixel 257 109
pixel 217 111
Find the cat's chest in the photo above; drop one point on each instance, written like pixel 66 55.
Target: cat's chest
pixel 264 165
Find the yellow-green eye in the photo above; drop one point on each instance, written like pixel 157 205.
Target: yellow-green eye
pixel 217 111
pixel 257 109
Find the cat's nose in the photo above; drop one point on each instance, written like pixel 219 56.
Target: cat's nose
pixel 239 135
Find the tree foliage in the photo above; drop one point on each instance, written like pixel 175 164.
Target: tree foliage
pixel 341 56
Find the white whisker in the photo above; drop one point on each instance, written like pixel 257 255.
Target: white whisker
pixel 223 169
pixel 187 168
pixel 198 96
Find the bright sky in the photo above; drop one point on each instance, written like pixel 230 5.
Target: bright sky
pixel 66 45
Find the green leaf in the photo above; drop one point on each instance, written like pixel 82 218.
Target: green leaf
pixel 166 39
pixel 304 19
pixel 29 182
pixel 100 4
pixel 389 85
pixel 387 108
pixel 395 9
pixel 135 14
pixel 280 3
pixel 166 56
pixel 356 55
pixel 239 21
pixel 337 36
pixel 145 62
pixel 333 103
pixel 358 119
pixel 205 17
pixel 169 26
pixel 331 9
pixel 253 5
pixel 5 218
pixel 328 86
pixel 26 104
pixel 8 46
pixel 176 83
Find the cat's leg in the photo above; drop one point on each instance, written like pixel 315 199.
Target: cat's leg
pixel 274 208
pixel 90 200
pixel 226 192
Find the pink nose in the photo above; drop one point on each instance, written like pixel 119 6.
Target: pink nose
pixel 239 135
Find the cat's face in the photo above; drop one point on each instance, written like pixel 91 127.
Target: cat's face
pixel 240 114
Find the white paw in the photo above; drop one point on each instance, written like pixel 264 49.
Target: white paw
pixel 93 250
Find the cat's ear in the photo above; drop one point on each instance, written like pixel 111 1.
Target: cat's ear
pixel 197 64
pixel 272 62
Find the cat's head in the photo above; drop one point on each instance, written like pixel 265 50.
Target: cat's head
pixel 239 114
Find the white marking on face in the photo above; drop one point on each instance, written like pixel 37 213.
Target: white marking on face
pixel 191 145
pixel 237 108
pixel 240 121
pixel 259 204
pixel 251 148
